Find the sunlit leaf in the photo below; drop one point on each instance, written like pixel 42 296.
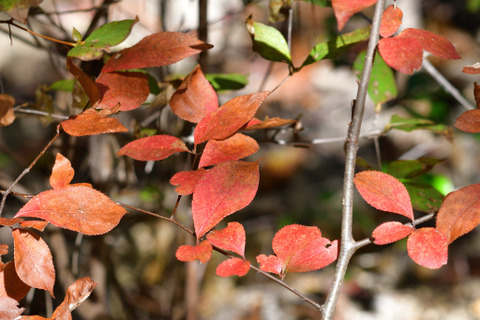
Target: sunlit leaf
pixel 9 308
pixel 62 172
pixel 233 267
pixel 153 148
pixel 391 21
pixel 187 180
pixel 268 123
pixel 435 44
pixel 91 122
pixel 344 9
pixel 231 238
pixel 391 231
pixel 428 247
pixel 76 294
pixel 472 69
pixel 225 189
pixel 402 54
pixel 270 263
pixel 201 252
pixel 236 147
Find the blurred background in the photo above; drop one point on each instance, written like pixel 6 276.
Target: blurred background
pixel 135 266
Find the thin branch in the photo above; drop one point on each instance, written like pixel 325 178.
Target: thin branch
pixel 369 135
pixel 19 109
pixel 347 244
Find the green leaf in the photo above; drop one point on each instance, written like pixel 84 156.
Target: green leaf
pixel 382 86
pixel 230 81
pixel 268 42
pixel 410 124
pixel 320 3
pixel 18 9
pixel 63 85
pixel 76 35
pixel 102 39
pixel 424 197
pixel 336 46
pixel 410 169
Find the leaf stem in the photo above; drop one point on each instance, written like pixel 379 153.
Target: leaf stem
pixel 348 244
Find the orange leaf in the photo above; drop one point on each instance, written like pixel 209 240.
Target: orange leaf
pixel 153 148
pixel 76 294
pixel 391 21
pixel 33 260
pixel 7 115
pixel 226 120
pixel 236 147
pixel 187 180
pixel 125 89
pixel 78 208
pixel 402 54
pixel 344 9
pixel 91 122
pixel 9 308
pixel 469 121
pixel 9 222
pixel 225 189
pixel 233 267
pixel 195 98
pixel 10 284
pixel 391 231
pixel 460 212
pixel 431 42
pixel 231 238
pixel 202 252
pixel 39 225
pixel 472 69
pixel 428 247
pixel 255 124
pixel 158 49
pixel 384 192
pixel 87 84
pixel 62 172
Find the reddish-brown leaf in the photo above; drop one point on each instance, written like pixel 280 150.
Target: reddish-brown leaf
pixel 10 284
pixel 18 10
pixel 344 9
pixel 225 189
pixel 76 294
pixel 124 91
pixel 153 148
pixel 91 122
pixel 303 249
pixel 33 260
pixel 476 94
pixel 3 250
pixel 256 124
pixel 236 147
pixel 202 252
pixel 158 49
pixel 384 192
pixel 231 238
pixel 87 84
pixel 39 225
pixel 77 208
pixel 9 308
pixel 460 212
pixel 226 120
pixel 402 54
pixel 7 115
pixel 472 69
pixel 195 98
pixel 9 222
pixel 469 121
pixel 62 172
pixel 187 180
pixel 391 21
pixel 431 42
pixel 428 247
pixel 233 267
pixel 270 263
pixel 390 231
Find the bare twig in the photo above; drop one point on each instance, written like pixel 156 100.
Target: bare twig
pixel 348 244
pixel 19 109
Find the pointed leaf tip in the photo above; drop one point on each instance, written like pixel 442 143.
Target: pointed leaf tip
pixel 62 172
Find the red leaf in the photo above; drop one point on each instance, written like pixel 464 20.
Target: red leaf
pixel 195 98
pixel 460 212
pixel 10 284
pixel 402 54
pixel 158 49
pixel 390 231
pixel 391 21
pixel 128 90
pixel 33 260
pixel 428 247
pixel 9 308
pixel 384 192
pixel 303 249
pixel 76 208
pixel 469 121
pixel 233 267
pixel 91 122
pixel 202 252
pixel 225 189
pixel 226 120
pixel 236 147
pixel 232 238
pixel 472 69
pixel 256 124
pixel 431 42
pixel 62 172
pixel 87 84
pixel 270 264
pixel 153 148
pixel 76 294
pixel 344 9
pixel 187 180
